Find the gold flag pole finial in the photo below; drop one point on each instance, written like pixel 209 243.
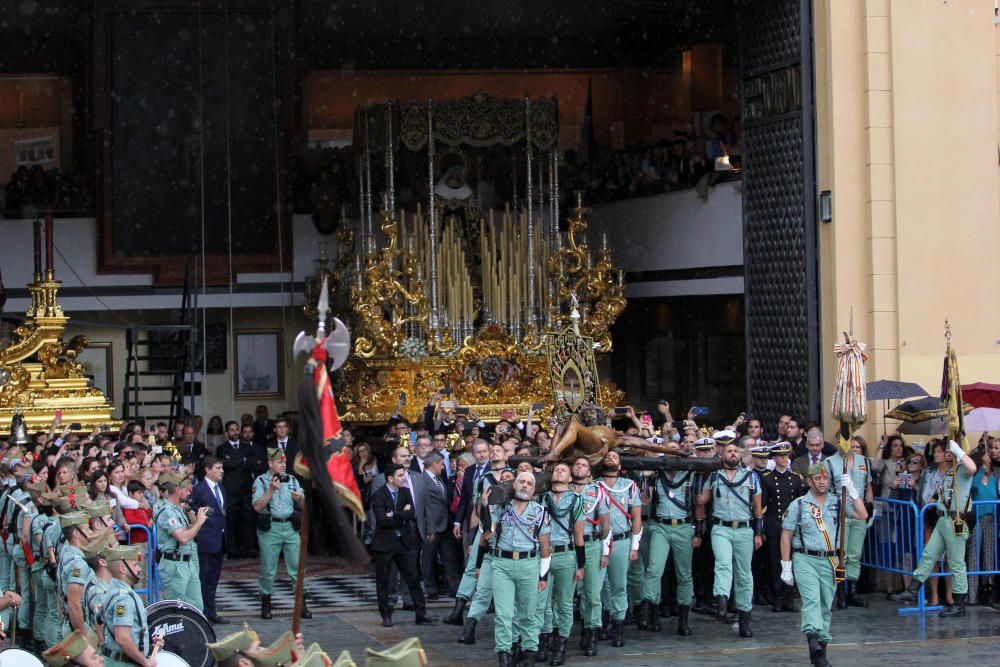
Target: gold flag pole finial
pixel 947 330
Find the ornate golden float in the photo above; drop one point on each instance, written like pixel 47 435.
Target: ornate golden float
pixel 450 296
pixel 39 371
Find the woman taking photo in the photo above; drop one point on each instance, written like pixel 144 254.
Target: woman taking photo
pixel 904 539
pixel 890 461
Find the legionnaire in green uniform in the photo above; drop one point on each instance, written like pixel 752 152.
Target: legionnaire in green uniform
pixel 518 536
pixel 736 532
pixel 99 584
pixel 176 552
pixel 809 530
pixel 859 468
pixel 779 487
pixel 73 571
pixel 622 544
pixel 17 522
pixel 276 498
pixel 73 651
pixel 52 536
pixel 126 631
pixel 555 604
pixel 467 586
pixel 595 512
pixel 671 530
pixel 952 501
pixel 7 484
pixel 46 608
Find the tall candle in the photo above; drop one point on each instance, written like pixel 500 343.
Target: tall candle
pixel 38 248
pixel 49 264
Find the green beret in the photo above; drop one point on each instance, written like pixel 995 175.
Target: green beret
pixel 68 649
pixel 74 519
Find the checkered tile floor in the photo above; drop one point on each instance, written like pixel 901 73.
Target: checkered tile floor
pixel 336 592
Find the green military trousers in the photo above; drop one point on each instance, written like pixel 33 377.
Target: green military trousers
pixel 179 581
pixel 53 617
pixel 467 587
pixel 555 604
pixel 637 570
pixel 615 591
pixel 814 578
pixel 663 540
pixel 593 580
pixel 854 541
pixel 515 596
pixel 483 594
pixel 20 571
pixel 733 549
pixel 282 538
pixel 944 540
pixel 42 618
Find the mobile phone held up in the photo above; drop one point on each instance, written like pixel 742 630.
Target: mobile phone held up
pixel 647 420
pixel 620 411
pixel 699 411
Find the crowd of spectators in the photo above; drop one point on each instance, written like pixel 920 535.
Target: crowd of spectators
pixel 33 191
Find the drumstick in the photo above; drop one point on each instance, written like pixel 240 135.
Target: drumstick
pixel 156 649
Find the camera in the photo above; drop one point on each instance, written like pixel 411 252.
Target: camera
pixel 283 478
pixel 209 511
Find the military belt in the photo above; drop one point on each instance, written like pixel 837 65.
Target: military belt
pixel 621 536
pixel 169 555
pixel 730 524
pixel 559 548
pixel 277 520
pixel 672 522
pixel 514 555
pixel 818 554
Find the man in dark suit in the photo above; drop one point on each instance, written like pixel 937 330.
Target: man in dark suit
pixel 190 449
pixel 437 524
pixel 212 538
pixel 263 426
pixel 242 460
pixel 284 441
pixel 395 542
pixel 460 524
pixel 421 448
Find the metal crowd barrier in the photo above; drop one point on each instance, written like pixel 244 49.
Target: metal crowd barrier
pixel 895 543
pixel 152 589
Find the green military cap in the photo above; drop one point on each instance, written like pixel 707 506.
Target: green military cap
pixel 781 448
pixel 98 509
pixel 232 644
pixel 71 498
pixel 70 648
pixel 278 653
pixel 275 454
pixel 817 469
pixel 175 478
pixel 343 660
pixel 317 657
pixel 99 546
pixel 74 519
pixel 127 552
pixel 407 653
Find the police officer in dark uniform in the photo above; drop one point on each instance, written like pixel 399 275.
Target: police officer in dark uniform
pixel 779 487
pixel 703 560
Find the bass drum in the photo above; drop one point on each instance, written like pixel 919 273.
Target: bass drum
pixel 186 631
pixel 15 657
pixel 168 659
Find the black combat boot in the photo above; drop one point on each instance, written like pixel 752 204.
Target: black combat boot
pixel 839 599
pixel 954 610
pixel 515 652
pixel 591 648
pixel 455 617
pixel 265 607
pixel 468 635
pixel 722 609
pixel 618 633
pixel 304 612
pixel 745 630
pixel 644 613
pixel 654 619
pixel 683 629
pixel 504 659
pixel 910 594
pixel 604 633
pixel 853 599
pixel 815 650
pixel 558 650
pixel 542 654
pixel 584 635
pixel 528 659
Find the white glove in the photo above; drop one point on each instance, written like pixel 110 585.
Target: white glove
pixel 606 545
pixel 636 539
pixel 847 484
pixel 957 450
pixel 786 572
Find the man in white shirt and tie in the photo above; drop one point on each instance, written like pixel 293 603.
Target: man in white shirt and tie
pixel 437 525
pixel 284 441
pixel 211 539
pixel 813 456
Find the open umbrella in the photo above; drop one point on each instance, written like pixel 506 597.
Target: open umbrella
pixel 982 419
pixel 922 409
pixel 981 395
pixel 886 390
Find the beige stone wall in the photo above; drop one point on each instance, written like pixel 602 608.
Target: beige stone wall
pixel 907 138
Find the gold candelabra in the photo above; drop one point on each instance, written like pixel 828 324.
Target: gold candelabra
pixel 314 283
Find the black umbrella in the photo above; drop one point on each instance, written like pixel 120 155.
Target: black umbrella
pixel 886 390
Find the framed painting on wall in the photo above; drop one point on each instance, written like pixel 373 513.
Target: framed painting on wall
pixel 258 371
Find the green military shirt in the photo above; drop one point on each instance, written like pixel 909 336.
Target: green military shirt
pixel 803 519
pixel 733 501
pixel 93 600
pixel 123 607
pixel 674 495
pixel 593 505
pixel 519 532
pixel 282 504
pixel 859 472
pixel 953 494
pixel 72 569
pixel 52 538
pixel 564 512
pixel 169 518
pixel 621 498
pixel 40 524
pixel 16 513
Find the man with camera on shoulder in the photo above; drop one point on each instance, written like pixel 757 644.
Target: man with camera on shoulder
pixel 278 500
